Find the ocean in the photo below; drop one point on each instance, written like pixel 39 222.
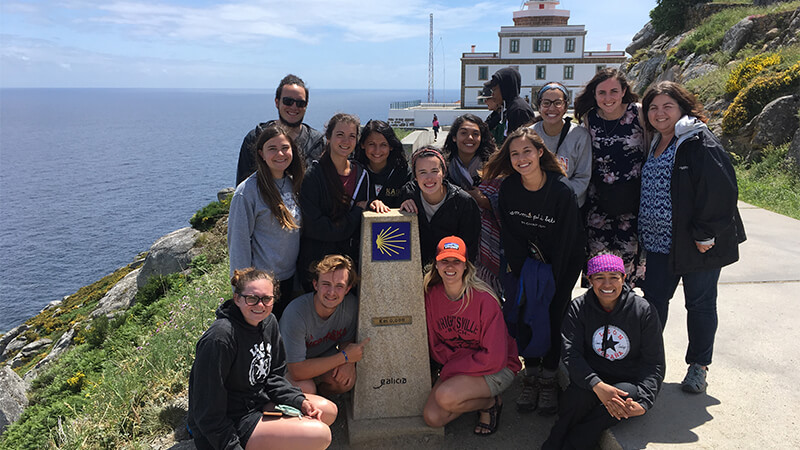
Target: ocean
pixel 91 177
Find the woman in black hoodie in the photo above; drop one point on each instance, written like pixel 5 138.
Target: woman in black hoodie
pixel 614 353
pixel 237 379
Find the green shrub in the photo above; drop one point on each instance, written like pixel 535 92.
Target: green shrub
pixel 95 334
pixel 749 69
pixel 207 216
pixel 156 287
pixel 770 182
pixel 669 16
pixel 762 90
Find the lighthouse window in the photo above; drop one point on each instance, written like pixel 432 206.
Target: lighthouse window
pixel 541 45
pixel 541 72
pixel 513 46
pixel 483 72
pixel 568 72
pixel 570 46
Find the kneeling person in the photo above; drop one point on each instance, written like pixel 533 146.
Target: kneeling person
pixel 319 330
pixel 614 353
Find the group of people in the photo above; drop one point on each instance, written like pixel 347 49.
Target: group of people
pixel 510 211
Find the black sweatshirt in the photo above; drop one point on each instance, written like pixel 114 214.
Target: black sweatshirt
pixel 238 368
pixel 623 345
pixel 458 216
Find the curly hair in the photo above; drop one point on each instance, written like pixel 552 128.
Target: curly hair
pixel 397 156
pixel 487 145
pixel 585 101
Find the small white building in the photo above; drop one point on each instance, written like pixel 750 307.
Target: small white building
pixel 543 47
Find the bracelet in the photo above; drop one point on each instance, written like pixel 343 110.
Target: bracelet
pixel 345 356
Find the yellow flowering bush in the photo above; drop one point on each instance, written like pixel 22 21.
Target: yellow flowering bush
pixel 749 69
pixel 762 90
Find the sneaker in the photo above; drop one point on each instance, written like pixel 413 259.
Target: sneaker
pixel 695 380
pixel 526 402
pixel 548 396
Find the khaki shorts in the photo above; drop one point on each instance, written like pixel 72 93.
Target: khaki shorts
pixel 500 381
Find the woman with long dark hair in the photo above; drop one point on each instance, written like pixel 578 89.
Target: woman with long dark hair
pixel 334 193
pixel 264 221
pixel 607 108
pixel 382 154
pixel 540 221
pixel 688 220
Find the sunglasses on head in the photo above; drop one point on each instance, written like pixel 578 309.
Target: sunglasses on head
pixel 289 101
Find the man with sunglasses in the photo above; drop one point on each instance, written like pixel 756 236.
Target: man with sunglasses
pixel 319 331
pixel 291 99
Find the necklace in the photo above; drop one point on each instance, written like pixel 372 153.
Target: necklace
pixel 602 117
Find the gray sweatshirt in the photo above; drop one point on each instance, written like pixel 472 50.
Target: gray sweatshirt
pixel 255 237
pixel 575 154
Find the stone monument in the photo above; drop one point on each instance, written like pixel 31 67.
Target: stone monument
pixel 394 379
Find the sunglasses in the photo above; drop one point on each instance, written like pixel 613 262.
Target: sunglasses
pixel 252 300
pixel 289 101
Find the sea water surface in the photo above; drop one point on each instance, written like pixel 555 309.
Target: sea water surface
pixel 91 177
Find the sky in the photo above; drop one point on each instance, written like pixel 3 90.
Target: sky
pixel 343 44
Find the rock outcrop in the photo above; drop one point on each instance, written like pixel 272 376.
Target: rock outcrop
pixel 12 397
pixel 61 345
pixel 642 39
pixel 775 124
pixel 737 36
pixel 169 254
pixel 10 336
pixel 119 297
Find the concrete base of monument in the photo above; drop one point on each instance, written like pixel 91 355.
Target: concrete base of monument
pixel 393 432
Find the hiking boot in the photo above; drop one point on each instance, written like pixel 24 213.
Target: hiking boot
pixel 695 380
pixel 526 402
pixel 548 396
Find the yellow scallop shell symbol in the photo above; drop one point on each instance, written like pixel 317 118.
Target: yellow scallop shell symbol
pixel 390 240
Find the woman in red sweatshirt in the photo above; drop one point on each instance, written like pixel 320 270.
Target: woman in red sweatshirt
pixel 468 337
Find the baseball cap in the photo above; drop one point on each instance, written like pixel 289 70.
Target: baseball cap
pixel 485 93
pixel 451 247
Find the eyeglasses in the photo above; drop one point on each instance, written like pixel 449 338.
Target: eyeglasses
pixel 252 300
pixel 289 101
pixel 547 103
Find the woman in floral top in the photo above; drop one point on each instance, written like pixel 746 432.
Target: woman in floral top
pixel 608 108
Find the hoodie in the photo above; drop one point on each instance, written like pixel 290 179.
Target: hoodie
pixel 516 111
pixel 621 345
pixel 238 369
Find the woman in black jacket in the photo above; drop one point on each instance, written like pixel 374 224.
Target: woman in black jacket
pixel 539 219
pixel 443 209
pixel 334 193
pixel 688 220
pixel 382 154
pixel 238 378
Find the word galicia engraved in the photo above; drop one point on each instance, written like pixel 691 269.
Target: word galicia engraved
pixel 385 381
pixel 391 320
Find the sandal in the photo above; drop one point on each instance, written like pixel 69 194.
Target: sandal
pixel 494 419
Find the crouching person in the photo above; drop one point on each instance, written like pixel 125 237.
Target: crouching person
pixel 319 330
pixel 468 337
pixel 614 353
pixel 237 379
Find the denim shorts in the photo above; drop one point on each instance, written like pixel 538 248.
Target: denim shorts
pixel 500 381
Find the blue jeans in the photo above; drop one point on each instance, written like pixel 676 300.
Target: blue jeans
pixel 700 291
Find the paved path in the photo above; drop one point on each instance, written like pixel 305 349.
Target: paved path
pixel 753 397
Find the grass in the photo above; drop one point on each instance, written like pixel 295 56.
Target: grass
pixel 402 132
pixel 770 183
pixel 707 37
pixel 115 387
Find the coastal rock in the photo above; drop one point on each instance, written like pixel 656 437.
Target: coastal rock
pixel 645 72
pixel 51 305
pixel 737 36
pixel 118 297
pixel 696 66
pixel 642 39
pixel 17 343
pixel 34 347
pixel 8 337
pixel 775 124
pixel 12 397
pixel 169 254
pixel 61 345
pixel 225 193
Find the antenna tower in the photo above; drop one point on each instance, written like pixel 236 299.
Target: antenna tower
pixel 430 64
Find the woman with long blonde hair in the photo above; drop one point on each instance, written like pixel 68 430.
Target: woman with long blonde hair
pixel 467 336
